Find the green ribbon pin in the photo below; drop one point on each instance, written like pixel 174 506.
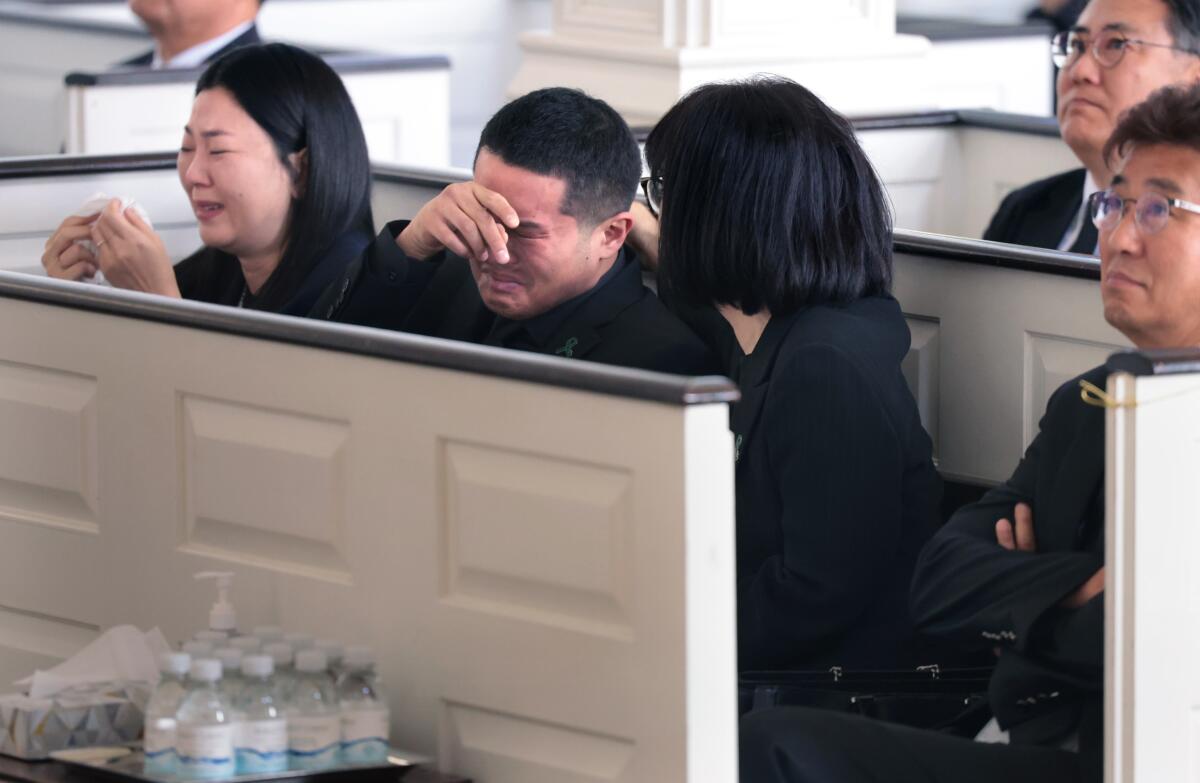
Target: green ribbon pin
pixel 568 348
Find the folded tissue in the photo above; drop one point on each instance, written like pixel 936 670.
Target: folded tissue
pixel 96 204
pixel 96 697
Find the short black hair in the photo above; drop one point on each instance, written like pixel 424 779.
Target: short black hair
pixel 1169 116
pixel 768 201
pixel 565 133
pixel 1183 22
pixel 301 103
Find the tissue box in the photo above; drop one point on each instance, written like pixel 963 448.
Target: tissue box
pixel 107 714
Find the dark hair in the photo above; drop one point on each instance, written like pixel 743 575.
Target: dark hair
pixel 302 104
pixel 1183 22
pixel 565 133
pixel 1170 115
pixel 768 201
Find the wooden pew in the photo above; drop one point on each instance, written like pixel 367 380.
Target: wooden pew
pixel 540 551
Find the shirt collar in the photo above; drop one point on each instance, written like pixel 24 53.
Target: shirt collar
pixel 198 54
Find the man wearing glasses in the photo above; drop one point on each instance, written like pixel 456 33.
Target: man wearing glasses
pixel 1022 571
pixel 1116 54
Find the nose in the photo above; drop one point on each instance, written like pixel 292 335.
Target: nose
pixel 192 169
pixel 1083 69
pixel 1125 238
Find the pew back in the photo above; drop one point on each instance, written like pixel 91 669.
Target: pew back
pixel 539 550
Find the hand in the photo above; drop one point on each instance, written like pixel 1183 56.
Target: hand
pixel 467 219
pixel 63 258
pixel 1093 587
pixel 1017 537
pixel 644 236
pixel 131 255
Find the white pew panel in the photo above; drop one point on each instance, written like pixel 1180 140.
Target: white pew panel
pixel 534 559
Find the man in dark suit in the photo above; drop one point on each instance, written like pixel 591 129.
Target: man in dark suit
pixel 1117 53
pixel 529 254
pixel 189 33
pixel 1022 570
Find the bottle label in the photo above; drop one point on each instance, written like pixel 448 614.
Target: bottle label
pixel 314 740
pixel 158 745
pixel 365 735
pixel 205 751
pixel 262 746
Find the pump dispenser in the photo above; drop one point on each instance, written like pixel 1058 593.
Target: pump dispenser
pixel 222 617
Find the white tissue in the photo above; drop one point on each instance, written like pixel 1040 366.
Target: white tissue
pixel 96 204
pixel 121 653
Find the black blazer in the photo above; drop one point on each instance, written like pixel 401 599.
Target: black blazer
pixel 836 492
pixel 213 276
pixel 620 322
pixel 1049 674
pixel 1039 214
pixel 248 38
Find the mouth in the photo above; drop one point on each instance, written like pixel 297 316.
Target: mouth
pixel 502 283
pixel 207 210
pixel 1120 280
pixel 1082 103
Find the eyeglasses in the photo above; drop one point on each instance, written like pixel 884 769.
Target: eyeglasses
pixel 653 188
pixel 1150 213
pixel 1107 49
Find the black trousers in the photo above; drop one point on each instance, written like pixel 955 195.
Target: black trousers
pixel 800 745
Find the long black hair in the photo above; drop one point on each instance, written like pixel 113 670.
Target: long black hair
pixel 302 104
pixel 768 201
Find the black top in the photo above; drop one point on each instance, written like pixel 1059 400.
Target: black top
pixel 1040 213
pixel 1050 672
pixel 619 321
pixel 248 38
pixel 214 276
pixel 836 489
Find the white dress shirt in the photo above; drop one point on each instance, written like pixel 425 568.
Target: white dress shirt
pixel 196 55
pixel 1089 187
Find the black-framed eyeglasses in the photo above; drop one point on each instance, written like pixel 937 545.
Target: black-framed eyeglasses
pixel 1150 212
pixel 1107 49
pixel 652 187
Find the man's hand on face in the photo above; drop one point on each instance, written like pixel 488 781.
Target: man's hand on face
pixel 467 219
pixel 1018 537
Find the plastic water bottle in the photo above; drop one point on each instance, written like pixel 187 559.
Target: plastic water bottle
pixel 281 654
pixel 159 737
pixel 314 721
pixel 215 638
pixel 299 641
pixel 197 649
pixel 231 672
pixel 204 727
pixel 365 716
pixel 268 633
pixel 262 741
pixel 333 655
pixel 249 645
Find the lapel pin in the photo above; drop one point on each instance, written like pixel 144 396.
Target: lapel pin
pixel 568 348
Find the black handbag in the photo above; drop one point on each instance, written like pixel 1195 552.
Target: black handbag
pixel 952 700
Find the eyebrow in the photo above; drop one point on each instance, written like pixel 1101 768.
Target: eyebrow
pixel 1164 184
pixel 1118 27
pixel 210 134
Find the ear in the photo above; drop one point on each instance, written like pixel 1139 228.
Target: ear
pixel 610 235
pixel 298 162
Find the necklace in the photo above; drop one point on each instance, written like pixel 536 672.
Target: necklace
pixel 242 298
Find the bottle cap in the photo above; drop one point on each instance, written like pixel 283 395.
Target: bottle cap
pixel 331 647
pixel 358 657
pixel 268 633
pixel 197 649
pixel 176 663
pixel 213 637
pixel 247 644
pixel 205 670
pixel 230 658
pixel 298 641
pixel 221 617
pixel 310 661
pixel 280 652
pixel 258 666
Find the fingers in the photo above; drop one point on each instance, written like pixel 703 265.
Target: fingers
pixel 1004 534
pixel 497 205
pixel 1024 528
pixel 62 252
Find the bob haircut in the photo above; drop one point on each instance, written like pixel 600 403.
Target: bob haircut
pixel 1170 117
pixel 302 104
pixel 768 201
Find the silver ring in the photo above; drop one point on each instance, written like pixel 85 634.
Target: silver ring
pixel 101 243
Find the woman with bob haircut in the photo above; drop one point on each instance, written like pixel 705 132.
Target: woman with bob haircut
pixel 274 163
pixel 773 218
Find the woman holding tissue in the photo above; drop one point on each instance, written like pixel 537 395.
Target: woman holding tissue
pixel 275 165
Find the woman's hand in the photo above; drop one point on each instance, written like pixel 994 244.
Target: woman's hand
pixel 63 258
pixel 130 254
pixel 643 237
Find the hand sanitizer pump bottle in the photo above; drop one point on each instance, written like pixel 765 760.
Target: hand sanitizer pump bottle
pixel 314 722
pixel 222 617
pixel 159 736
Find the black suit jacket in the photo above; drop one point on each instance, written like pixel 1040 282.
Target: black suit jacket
pixel 836 492
pixel 1039 214
pixel 248 38
pixel 1048 678
pixel 620 322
